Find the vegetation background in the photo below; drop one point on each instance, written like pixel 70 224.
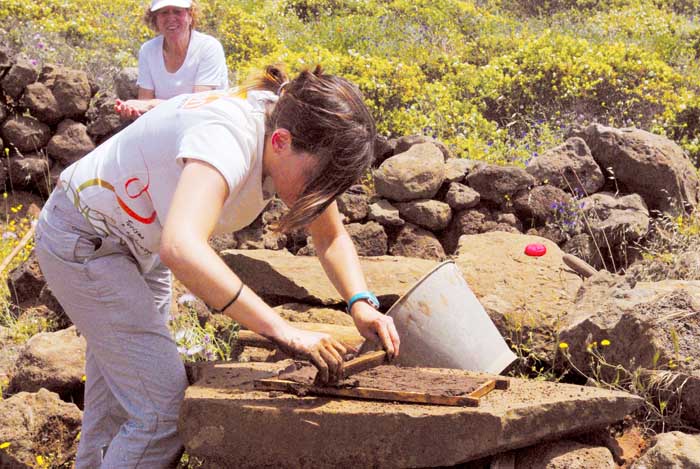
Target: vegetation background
pixel 497 80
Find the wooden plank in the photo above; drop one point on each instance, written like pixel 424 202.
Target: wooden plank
pixel 365 393
pixel 363 362
pixel 484 389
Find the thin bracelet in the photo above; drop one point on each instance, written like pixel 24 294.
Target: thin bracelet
pixel 233 300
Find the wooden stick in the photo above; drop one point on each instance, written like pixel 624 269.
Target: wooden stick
pixel 579 266
pixel 23 242
pixel 364 362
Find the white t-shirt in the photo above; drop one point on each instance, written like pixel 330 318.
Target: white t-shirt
pixel 204 65
pixel 125 186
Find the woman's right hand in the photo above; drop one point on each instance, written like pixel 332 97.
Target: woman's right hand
pixel 324 351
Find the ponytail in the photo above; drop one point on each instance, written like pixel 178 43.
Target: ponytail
pixel 273 78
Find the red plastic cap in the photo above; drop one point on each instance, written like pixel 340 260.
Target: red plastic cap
pixel 535 249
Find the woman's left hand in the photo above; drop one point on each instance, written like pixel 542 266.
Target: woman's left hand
pixel 376 326
pixel 131 109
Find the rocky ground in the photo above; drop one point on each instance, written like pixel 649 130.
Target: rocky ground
pixel 622 354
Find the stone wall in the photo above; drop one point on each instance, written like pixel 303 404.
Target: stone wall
pixel 594 195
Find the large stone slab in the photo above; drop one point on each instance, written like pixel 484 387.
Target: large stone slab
pixel 280 277
pixel 226 423
pixel 521 293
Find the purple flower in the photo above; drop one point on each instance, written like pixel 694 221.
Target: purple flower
pixel 194 350
pixel 33 62
pixel 207 338
pixel 40 45
pixel 182 350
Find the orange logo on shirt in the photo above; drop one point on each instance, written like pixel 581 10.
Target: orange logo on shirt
pixel 137 192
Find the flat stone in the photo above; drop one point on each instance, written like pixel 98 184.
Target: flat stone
pixel 522 294
pixel 226 423
pixel 280 277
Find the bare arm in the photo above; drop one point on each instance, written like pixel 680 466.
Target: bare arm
pixel 338 256
pixel 199 198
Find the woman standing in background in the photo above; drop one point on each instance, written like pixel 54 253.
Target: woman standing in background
pixel 180 60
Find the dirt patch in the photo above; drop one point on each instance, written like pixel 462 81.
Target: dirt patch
pixel 395 378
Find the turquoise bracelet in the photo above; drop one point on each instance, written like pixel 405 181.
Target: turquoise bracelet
pixel 363 296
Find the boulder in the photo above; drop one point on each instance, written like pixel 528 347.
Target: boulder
pixel 383 148
pixel 465 222
pixel 125 83
pixel 583 246
pixel 280 277
pixel 417 173
pixel 384 213
pixel 405 143
pixel 354 203
pixel 70 143
pixel 20 74
pixel 26 134
pixel 498 184
pixel 461 197
pixel 672 450
pixel 103 121
pixel 5 58
pixel 370 239
pixel 26 281
pixel 430 214
pixel 547 203
pixel 650 165
pixel 521 294
pixel 412 241
pixel 223 241
pixel 38 424
pixel 52 360
pixel 72 91
pixel 570 167
pixel 457 168
pixel 259 237
pixel 324 432
pixel 651 325
pixel 564 454
pixel 31 173
pixel 41 103
pixel 615 221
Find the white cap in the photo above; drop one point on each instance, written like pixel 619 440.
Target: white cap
pixel 158 4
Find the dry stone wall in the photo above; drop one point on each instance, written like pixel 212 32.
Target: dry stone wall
pixel 594 195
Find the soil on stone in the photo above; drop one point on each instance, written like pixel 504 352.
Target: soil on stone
pixel 395 378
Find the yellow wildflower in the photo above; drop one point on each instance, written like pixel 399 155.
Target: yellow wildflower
pixel 5 445
pixel 605 342
pixel 563 345
pixel 83 378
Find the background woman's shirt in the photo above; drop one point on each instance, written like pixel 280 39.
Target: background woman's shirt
pixel 204 65
pixel 125 186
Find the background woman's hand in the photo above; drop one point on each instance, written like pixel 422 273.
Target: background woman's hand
pixel 376 326
pixel 325 352
pixel 132 108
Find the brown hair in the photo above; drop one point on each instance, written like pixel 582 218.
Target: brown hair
pixel 328 119
pixel 150 16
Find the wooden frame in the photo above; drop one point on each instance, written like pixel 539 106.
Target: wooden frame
pixel 469 400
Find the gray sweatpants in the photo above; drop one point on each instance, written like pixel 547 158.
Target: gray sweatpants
pixel 135 378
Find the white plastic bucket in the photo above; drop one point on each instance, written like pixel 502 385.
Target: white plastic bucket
pixel 442 325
